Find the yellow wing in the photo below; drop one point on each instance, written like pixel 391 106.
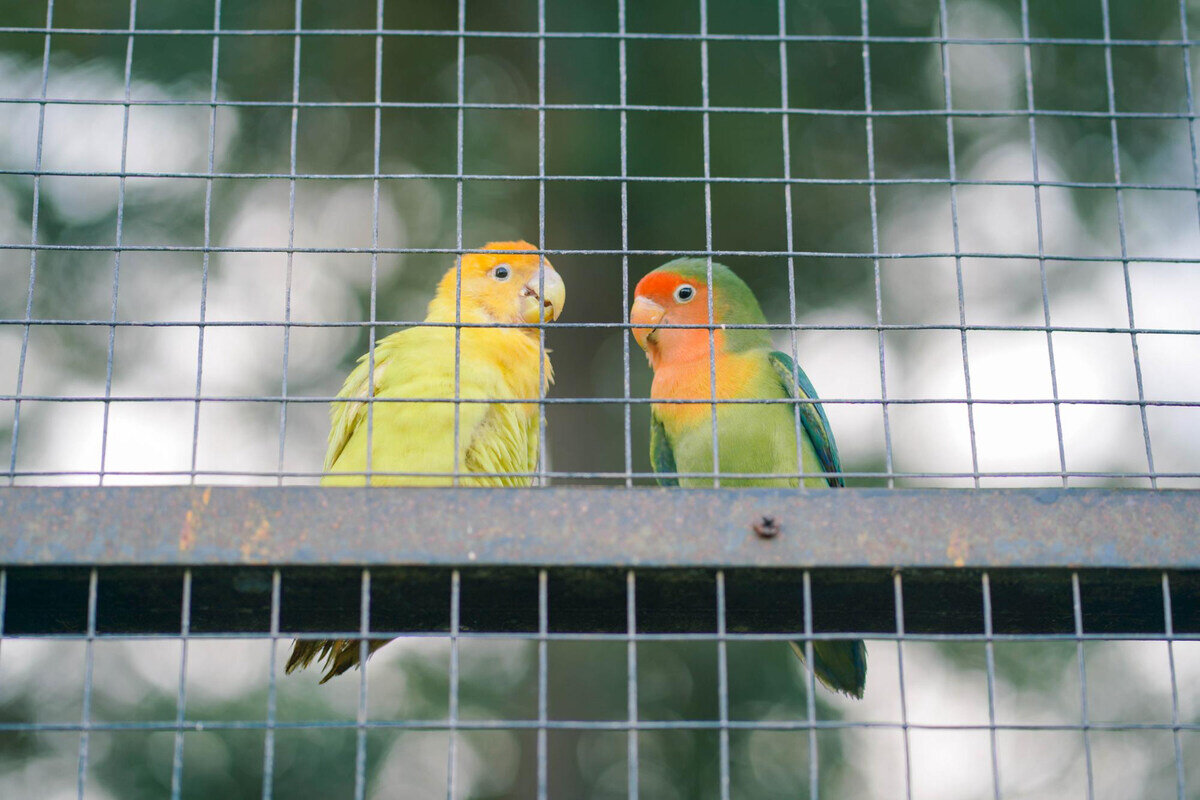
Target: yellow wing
pixel 411 432
pixel 345 417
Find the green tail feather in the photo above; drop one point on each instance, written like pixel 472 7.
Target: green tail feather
pixel 840 665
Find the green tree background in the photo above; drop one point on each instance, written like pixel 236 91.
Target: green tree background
pixel 257 136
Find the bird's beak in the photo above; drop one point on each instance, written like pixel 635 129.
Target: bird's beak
pixel 645 316
pixel 542 299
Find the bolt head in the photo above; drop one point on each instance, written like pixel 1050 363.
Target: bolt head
pixel 766 526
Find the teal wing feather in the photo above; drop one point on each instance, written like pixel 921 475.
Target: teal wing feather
pixel 662 457
pixel 812 415
pixel 839 665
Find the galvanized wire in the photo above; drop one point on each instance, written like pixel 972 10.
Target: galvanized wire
pixel 810 701
pixel 542 683
pixel 1041 235
pixel 1084 721
pixel 454 723
pixel 360 739
pixel 1116 159
pixel 631 683
pixel 1169 635
pixel 33 240
pixel 944 24
pixel 116 271
pixel 205 258
pixel 185 629
pixel 632 722
pixel 990 655
pixel 889 462
pixel 287 289
pixel 706 253
pixel 683 179
pixel 596 725
pixel 627 35
pixel 905 726
pixel 722 724
pixel 85 721
pixel 268 782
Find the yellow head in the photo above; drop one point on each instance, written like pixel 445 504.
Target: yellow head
pixel 501 287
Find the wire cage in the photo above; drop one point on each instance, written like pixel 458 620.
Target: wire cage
pixel 974 223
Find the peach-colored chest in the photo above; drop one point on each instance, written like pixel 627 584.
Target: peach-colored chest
pixel 692 380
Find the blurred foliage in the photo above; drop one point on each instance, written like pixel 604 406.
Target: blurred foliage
pixel 257 70
pixel 254 136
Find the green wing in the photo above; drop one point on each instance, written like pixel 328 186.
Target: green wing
pixel 812 416
pixel 662 457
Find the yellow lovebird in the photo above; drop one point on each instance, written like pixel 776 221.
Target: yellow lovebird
pixel 417 438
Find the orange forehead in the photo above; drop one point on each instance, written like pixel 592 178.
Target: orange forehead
pixel 658 284
pixel 485 261
pixel 662 285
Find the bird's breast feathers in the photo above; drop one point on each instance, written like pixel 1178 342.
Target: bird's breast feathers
pixel 740 376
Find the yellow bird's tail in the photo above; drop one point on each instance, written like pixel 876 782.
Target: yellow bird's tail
pixel 339 655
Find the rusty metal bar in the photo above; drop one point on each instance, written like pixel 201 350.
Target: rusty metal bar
pixel 993 528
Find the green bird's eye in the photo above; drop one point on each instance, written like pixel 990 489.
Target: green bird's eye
pixel 501 272
pixel 684 293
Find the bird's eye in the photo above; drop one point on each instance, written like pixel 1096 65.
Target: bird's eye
pixel 501 272
pixel 684 293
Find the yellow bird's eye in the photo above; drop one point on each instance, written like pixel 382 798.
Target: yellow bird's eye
pixel 684 293
pixel 501 272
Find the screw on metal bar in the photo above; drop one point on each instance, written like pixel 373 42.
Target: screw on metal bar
pixel 766 526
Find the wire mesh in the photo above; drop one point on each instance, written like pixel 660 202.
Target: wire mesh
pixel 927 418
pixel 974 224
pixel 554 622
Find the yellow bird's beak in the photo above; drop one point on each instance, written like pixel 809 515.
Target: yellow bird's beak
pixel 544 302
pixel 645 315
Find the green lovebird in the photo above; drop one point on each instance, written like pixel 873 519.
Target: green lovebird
pixel 752 439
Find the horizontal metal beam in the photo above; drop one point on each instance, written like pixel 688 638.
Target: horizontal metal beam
pixel 993 528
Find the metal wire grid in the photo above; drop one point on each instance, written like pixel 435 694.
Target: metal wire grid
pixel 453 724
pixel 785 112
pixel 719 635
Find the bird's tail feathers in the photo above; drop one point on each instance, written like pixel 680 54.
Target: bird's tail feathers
pixel 338 655
pixel 840 666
